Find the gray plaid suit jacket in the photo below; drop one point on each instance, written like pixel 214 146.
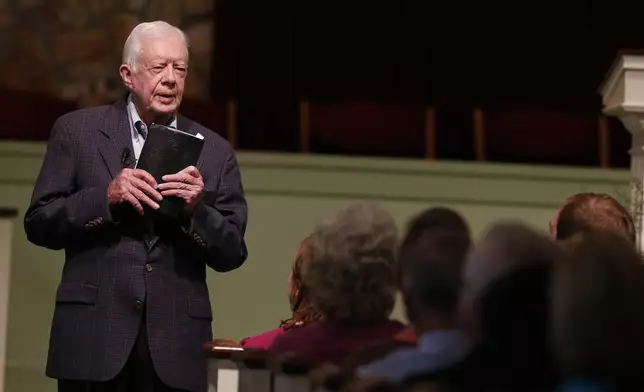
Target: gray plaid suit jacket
pixel 111 275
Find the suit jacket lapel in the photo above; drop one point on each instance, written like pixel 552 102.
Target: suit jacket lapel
pixel 116 138
pixel 183 124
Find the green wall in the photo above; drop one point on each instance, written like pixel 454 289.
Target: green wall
pixel 286 195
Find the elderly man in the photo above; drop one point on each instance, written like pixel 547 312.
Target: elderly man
pixel 132 310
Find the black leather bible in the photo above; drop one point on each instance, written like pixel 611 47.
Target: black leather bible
pixel 168 150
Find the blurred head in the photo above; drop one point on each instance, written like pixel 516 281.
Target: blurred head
pixel 351 274
pixel 439 218
pixel 431 259
pixel 507 271
pixel 587 211
pixel 154 68
pixel 597 317
pixel 505 306
pixel 302 308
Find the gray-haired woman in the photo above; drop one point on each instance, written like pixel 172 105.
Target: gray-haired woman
pixel 351 281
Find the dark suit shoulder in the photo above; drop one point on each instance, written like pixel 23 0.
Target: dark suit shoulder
pixel 82 120
pixel 96 112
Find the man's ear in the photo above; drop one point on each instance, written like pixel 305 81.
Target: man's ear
pixel 126 75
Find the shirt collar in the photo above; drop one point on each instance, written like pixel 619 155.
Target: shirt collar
pixel 133 114
pixel 583 385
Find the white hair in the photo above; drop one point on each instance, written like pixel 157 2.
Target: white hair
pixel 159 28
pixel 350 271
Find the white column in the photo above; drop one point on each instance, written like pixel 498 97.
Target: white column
pixel 6 234
pixel 623 97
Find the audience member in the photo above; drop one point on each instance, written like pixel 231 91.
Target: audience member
pixel 302 309
pixel 586 211
pixel 504 309
pixel 598 297
pixel 518 312
pixel 433 218
pixel 350 279
pixel 431 259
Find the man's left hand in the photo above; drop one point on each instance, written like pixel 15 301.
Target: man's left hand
pixel 187 184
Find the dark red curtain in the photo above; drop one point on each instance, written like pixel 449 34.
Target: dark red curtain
pixel 452 54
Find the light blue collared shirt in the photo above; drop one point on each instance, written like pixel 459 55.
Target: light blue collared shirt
pixel 435 350
pixel 583 386
pixel 138 137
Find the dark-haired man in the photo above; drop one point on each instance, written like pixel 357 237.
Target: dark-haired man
pixel 431 259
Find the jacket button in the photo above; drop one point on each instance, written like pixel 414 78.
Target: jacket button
pixel 148 267
pixel 138 305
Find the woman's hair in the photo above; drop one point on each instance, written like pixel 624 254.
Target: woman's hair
pixel 588 211
pixel 301 306
pixel 350 276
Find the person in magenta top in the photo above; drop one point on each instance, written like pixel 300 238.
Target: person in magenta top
pixel 350 279
pixel 303 310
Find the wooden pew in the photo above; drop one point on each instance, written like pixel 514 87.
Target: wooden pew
pixel 254 375
pixel 234 369
pixel 238 370
pixel 329 378
pixel 371 385
pixel 290 374
pixel 223 373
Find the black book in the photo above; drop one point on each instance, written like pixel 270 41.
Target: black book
pixel 166 151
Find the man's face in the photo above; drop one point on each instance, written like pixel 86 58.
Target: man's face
pixel 157 84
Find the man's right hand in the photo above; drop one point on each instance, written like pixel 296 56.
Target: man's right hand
pixel 136 187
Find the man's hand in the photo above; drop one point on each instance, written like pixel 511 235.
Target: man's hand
pixel 187 184
pixel 136 187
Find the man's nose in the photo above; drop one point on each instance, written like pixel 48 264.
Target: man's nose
pixel 169 76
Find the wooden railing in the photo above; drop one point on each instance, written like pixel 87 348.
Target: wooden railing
pixel 233 369
pixel 517 135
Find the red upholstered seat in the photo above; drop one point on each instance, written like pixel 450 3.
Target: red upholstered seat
pixel 363 127
pixel 540 136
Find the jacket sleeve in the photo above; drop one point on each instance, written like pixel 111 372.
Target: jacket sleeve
pixel 218 223
pixel 59 213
